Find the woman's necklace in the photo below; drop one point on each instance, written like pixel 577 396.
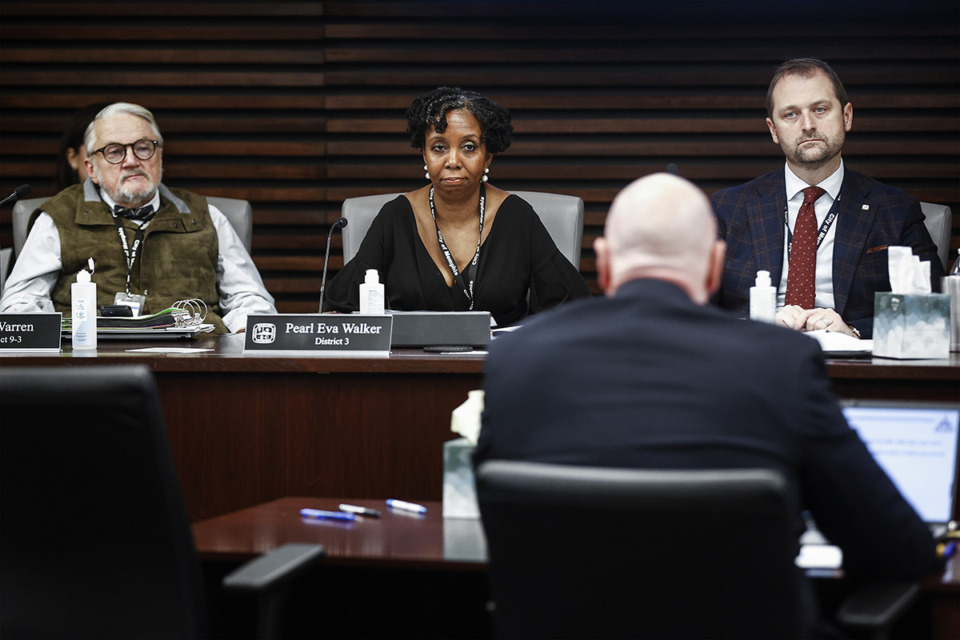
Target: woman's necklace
pixel 466 278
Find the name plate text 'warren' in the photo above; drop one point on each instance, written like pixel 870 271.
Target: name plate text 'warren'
pixel 30 331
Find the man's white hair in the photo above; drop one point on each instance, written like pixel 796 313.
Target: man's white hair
pixel 115 109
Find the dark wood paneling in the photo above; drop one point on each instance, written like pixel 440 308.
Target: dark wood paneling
pixel 298 105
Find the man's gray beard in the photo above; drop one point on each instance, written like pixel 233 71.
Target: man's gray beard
pixel 125 196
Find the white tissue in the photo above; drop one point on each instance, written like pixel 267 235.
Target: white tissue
pixel 907 273
pixel 465 419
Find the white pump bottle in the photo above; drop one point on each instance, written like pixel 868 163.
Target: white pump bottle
pixel 371 294
pixel 763 299
pixel 83 310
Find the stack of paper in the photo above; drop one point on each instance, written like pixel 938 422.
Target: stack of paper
pixel 834 343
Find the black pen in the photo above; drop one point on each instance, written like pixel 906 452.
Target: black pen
pixel 363 511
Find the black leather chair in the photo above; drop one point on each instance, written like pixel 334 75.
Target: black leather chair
pixel 586 552
pixel 95 540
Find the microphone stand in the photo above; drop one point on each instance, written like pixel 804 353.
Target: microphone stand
pixel 339 224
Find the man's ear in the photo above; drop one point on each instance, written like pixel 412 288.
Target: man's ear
pixel 602 249
pixel 848 116
pixel 88 162
pixel 715 271
pixel 773 131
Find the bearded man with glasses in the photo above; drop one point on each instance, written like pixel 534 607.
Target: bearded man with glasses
pixel 151 245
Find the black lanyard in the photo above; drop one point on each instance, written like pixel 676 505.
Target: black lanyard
pixel 471 270
pixel 821 234
pixel 128 251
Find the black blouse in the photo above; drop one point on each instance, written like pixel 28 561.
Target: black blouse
pixel 518 257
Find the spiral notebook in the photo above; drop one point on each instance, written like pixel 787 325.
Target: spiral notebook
pixel 170 323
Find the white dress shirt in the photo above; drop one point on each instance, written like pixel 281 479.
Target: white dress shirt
pixel 824 279
pixel 38 266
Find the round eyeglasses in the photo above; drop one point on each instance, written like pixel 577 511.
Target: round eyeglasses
pixel 114 153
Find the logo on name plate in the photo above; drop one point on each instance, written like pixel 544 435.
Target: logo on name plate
pixel 264 333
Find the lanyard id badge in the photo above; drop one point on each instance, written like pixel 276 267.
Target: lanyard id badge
pixel 466 278
pixel 132 300
pixel 135 301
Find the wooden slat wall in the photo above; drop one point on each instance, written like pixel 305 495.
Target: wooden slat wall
pixel 298 105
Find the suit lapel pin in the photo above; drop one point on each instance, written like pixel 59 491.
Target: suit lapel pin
pixel 865 207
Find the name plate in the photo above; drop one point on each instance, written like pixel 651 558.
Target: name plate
pixel 30 331
pixel 333 334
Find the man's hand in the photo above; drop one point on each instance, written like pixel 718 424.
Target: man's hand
pixel 795 317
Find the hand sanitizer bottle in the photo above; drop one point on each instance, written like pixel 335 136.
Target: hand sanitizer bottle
pixel 371 294
pixel 83 310
pixel 763 299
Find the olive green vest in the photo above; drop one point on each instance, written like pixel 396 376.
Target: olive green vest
pixel 177 259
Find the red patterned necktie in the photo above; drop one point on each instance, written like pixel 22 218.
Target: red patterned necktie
pixel 801 276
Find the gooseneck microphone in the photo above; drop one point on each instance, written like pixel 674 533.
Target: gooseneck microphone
pixel 339 224
pixel 20 192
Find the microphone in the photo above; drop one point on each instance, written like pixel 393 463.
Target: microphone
pixel 20 192
pixel 339 224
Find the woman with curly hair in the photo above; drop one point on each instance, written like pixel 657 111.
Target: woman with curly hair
pixel 459 243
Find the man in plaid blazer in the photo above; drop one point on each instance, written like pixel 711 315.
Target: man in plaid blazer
pixel 857 217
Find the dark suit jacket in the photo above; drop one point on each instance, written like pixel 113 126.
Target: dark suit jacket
pixel 649 379
pixel 751 221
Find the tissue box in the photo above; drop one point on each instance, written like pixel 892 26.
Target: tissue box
pixel 911 325
pixel 459 486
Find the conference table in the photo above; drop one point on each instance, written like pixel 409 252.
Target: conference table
pixel 248 428
pixel 422 575
pixel 402 575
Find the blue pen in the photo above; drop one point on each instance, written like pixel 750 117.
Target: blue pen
pixel 947 549
pixel 406 506
pixel 318 514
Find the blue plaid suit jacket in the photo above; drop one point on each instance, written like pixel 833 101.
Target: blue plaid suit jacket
pixel 872 216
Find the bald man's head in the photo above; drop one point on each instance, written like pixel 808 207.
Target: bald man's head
pixel 661 226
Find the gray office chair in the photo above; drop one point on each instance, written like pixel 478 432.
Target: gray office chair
pixel 238 212
pixel 561 215
pixel 600 552
pixel 95 540
pixel 938 219
pixel 19 219
pixel 240 215
pixel 5 258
